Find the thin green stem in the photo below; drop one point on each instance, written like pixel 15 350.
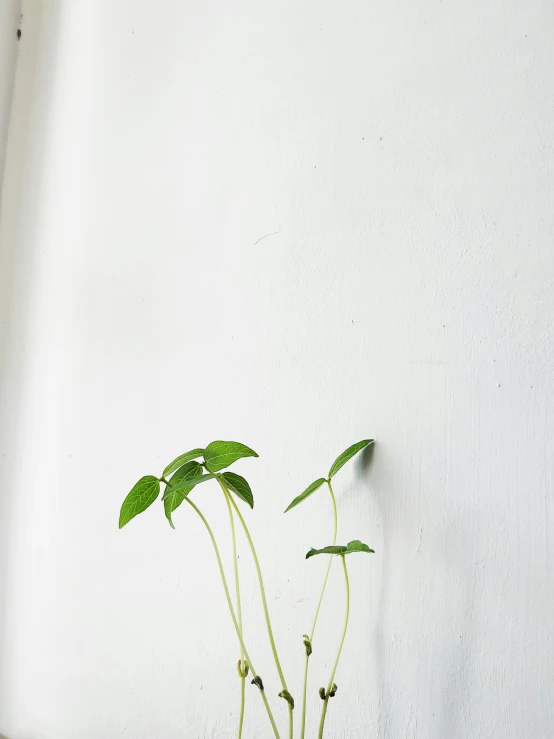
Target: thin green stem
pixel 304 691
pixel 266 610
pixel 331 679
pixel 239 607
pixel 305 687
pixel 242 694
pixel 335 525
pixel 232 611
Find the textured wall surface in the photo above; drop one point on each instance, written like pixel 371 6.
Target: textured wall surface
pixel 294 224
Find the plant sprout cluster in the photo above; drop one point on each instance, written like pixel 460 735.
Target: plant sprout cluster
pixel 179 479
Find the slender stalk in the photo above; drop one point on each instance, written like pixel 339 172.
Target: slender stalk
pixel 305 687
pixel 266 610
pixel 335 525
pixel 239 607
pixel 242 693
pixel 304 690
pixel 347 614
pixel 232 611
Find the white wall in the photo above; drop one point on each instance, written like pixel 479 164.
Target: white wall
pixel 9 23
pixel 401 156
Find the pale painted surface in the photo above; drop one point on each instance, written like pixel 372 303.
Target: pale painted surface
pixel 401 156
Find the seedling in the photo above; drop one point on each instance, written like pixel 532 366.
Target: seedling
pixel 179 479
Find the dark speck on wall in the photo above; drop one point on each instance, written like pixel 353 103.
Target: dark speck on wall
pixel 18 33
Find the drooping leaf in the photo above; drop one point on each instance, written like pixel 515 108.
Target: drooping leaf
pixel 173 497
pixel 358 546
pixel 239 486
pixel 334 549
pixel 190 481
pixel 181 460
pixel 350 548
pixel 343 458
pixel 306 494
pixel 143 494
pixel 221 454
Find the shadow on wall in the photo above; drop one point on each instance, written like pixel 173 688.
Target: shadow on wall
pixel 442 702
pixel 21 198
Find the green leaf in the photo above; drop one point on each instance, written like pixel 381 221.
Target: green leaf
pixel 358 546
pixel 350 548
pixel 182 459
pixel 143 494
pixel 309 490
pixel 326 550
pixel 173 497
pixel 239 486
pixel 186 483
pixel 343 458
pixel 221 454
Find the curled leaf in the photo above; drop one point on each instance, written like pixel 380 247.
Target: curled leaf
pixel 181 460
pixel 306 494
pixel 343 458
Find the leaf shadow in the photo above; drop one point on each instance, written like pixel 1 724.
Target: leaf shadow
pixel 391 491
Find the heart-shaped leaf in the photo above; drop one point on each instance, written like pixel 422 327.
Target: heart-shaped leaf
pixel 143 494
pixel 239 486
pixel 182 459
pixel 221 454
pixel 309 490
pixel 189 482
pixel 343 458
pixel 350 548
pixel 173 497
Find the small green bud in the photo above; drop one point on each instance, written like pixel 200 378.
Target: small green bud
pixel 322 693
pixel 333 690
pixel 242 668
pixel 308 645
pixel 288 697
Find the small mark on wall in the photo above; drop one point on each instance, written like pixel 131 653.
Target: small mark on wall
pixel 265 237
